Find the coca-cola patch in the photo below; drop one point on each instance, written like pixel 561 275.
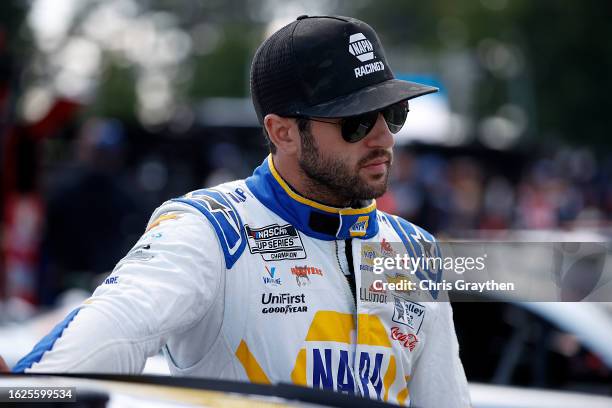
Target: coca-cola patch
pixel 408 340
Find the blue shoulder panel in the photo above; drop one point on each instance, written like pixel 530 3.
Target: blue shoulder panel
pixel 44 345
pixel 419 243
pixel 223 217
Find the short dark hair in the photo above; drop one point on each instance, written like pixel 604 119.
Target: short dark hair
pixel 303 126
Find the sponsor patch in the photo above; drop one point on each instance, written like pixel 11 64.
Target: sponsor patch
pixel 386 248
pixel 408 340
pixel 139 254
pixel 368 253
pixel 238 195
pixel 360 227
pixel 270 278
pixel 408 313
pixel 366 268
pixel 302 274
pixel 111 280
pixel 283 303
pixel 361 47
pixel 275 242
pixel 373 296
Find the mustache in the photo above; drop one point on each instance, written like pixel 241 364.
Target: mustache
pixel 377 154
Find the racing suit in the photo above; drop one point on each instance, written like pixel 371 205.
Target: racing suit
pixel 251 281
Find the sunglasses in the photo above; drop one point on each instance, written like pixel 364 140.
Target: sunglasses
pixel 355 128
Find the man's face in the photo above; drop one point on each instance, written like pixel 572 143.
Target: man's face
pixel 353 171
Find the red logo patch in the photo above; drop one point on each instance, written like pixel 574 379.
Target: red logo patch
pixel 409 340
pixel 385 246
pixel 301 274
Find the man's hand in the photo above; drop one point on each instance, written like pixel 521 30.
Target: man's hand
pixel 3 367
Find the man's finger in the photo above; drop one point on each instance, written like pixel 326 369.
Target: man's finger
pixel 3 367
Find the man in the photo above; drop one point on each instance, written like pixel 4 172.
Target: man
pixel 256 279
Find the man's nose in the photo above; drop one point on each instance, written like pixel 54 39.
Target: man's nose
pixel 380 136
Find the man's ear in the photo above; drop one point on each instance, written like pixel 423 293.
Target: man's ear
pixel 283 133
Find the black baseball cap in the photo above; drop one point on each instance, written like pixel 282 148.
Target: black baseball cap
pixel 325 66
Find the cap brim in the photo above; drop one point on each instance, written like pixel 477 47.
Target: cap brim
pixel 368 99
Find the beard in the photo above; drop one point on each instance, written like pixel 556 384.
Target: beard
pixel 335 177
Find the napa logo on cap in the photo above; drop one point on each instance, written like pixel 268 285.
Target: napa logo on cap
pixel 363 50
pixel 359 228
pixel 361 47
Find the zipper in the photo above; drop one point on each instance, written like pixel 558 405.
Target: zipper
pixel 347 269
pixel 350 277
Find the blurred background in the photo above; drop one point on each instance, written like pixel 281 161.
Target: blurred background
pixel 108 108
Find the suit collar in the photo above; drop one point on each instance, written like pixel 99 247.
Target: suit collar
pixel 310 217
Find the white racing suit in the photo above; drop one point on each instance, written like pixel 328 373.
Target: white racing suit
pixel 251 281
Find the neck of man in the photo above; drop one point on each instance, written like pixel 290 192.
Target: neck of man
pixel 305 186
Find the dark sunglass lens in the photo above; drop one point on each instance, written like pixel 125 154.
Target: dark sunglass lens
pixel 395 116
pixel 356 128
